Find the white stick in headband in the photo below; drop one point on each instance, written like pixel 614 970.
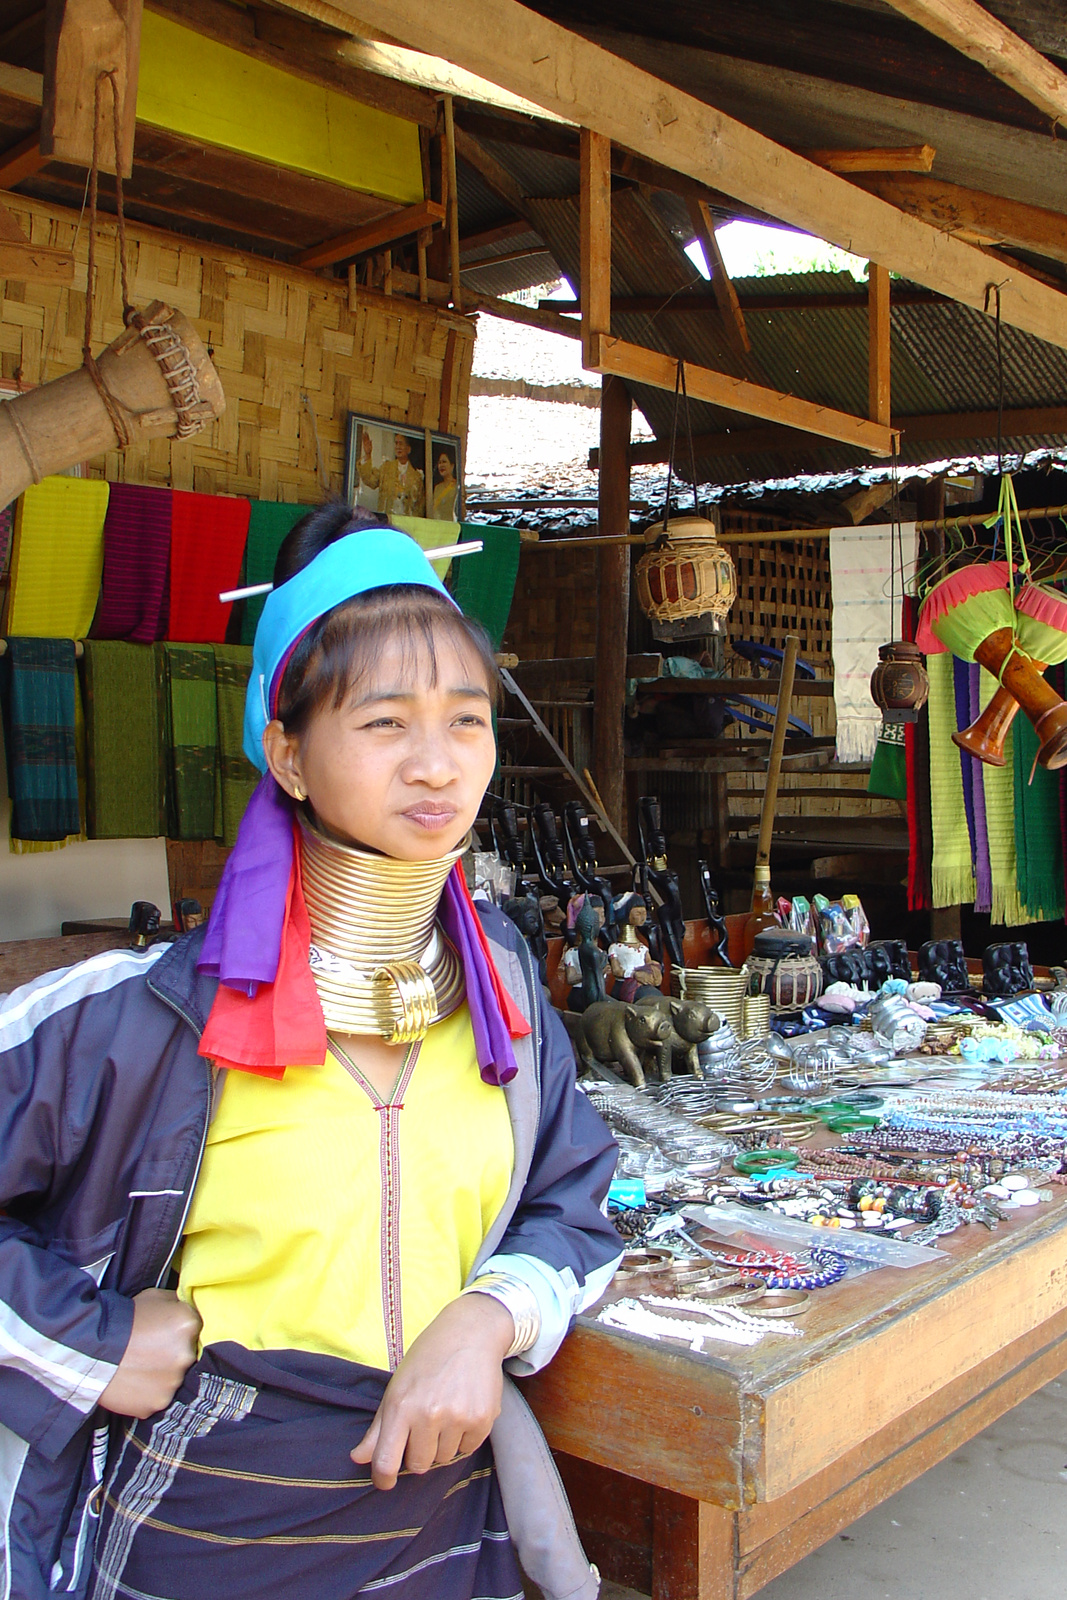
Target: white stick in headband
pixel 472 547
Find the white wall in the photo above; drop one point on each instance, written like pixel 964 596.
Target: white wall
pixel 94 878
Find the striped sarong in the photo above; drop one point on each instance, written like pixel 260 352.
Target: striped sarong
pixel 243 1488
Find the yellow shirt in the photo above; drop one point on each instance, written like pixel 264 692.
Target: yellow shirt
pixel 329 1221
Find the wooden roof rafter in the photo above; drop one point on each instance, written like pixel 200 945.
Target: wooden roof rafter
pixel 566 73
pixel 975 32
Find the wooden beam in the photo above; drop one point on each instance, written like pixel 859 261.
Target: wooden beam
pixel 972 30
pixel 630 361
pixel 908 158
pixel 21 161
pixel 361 241
pixel 878 329
pixel 488 168
pixel 703 304
pixel 32 263
pixel 733 318
pixel 558 140
pixel 613 598
pixel 507 310
pixel 1029 422
pixel 595 219
pixel 84 38
pixel 305 49
pixel 486 236
pixel 975 216
pixel 557 69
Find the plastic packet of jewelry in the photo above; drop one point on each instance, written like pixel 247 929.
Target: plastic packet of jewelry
pixel 730 1219
pixel 493 877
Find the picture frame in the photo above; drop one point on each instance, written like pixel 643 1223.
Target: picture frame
pixel 385 469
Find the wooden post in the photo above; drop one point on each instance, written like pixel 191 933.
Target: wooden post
pixel 692 1549
pixel 81 42
pixel 878 388
pixel 453 205
pixel 613 598
pixel 595 204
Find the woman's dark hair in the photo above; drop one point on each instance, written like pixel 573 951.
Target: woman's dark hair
pixel 335 653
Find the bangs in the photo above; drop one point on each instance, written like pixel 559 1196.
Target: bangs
pixel 345 646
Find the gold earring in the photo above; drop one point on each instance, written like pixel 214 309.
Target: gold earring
pixel 298 794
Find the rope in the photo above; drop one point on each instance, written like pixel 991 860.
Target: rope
pixel 119 420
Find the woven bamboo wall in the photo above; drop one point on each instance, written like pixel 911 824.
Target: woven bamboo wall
pixel 554 609
pixel 277 334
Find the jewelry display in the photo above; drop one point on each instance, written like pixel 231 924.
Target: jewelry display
pixel 726 1323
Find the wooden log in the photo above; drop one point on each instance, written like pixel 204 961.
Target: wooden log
pixel 878 369
pixel 67 420
pixel 84 38
pixel 595 223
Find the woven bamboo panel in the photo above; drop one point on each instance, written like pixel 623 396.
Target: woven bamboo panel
pixel 782 589
pixel 292 356
pixel 554 610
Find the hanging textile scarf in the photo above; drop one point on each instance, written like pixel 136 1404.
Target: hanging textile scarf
pixel 983 879
pixel 952 873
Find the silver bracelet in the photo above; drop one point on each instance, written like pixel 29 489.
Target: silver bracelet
pixel 518 1298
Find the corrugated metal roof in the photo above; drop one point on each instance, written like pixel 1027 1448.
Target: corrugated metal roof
pixel 943 354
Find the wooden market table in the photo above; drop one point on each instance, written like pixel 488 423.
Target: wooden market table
pixel 702 1477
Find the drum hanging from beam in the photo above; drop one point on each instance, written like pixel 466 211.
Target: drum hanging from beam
pixel 155 380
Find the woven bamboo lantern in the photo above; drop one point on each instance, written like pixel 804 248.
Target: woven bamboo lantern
pixel 687 576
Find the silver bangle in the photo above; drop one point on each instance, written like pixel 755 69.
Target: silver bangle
pixel 519 1299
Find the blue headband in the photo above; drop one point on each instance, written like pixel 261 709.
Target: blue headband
pixel 371 558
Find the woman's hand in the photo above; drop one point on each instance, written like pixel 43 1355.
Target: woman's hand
pixel 161 1350
pixel 444 1397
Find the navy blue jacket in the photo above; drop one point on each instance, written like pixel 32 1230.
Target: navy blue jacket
pixel 104 1111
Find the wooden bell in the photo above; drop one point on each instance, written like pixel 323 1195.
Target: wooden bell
pixel 155 380
pixel 1021 684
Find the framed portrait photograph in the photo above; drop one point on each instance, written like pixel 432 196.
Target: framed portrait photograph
pixel 386 470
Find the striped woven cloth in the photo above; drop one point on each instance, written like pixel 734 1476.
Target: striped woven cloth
pixel 38 693
pixel 133 600
pixel 244 1488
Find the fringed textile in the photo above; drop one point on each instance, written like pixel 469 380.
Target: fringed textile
pixel 952 875
pixel 862 563
pixel 999 783
pixel 125 770
pixel 1038 839
pixel 983 878
pixel 133 600
pixel 57 558
pixel 208 533
pixel 38 693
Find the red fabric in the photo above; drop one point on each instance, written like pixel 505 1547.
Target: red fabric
pixel 208 535
pixel 283 1021
pixel 517 1024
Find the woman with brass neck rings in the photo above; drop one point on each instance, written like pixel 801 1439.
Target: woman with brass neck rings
pixel 386 1187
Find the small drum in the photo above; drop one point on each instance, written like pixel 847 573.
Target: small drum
pixel 783 966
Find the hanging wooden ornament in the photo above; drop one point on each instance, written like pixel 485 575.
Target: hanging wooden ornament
pixel 978 614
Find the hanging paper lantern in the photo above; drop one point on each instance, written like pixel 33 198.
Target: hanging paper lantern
pixel 687 576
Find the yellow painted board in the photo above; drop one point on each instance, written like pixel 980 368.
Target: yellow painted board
pixel 195 86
